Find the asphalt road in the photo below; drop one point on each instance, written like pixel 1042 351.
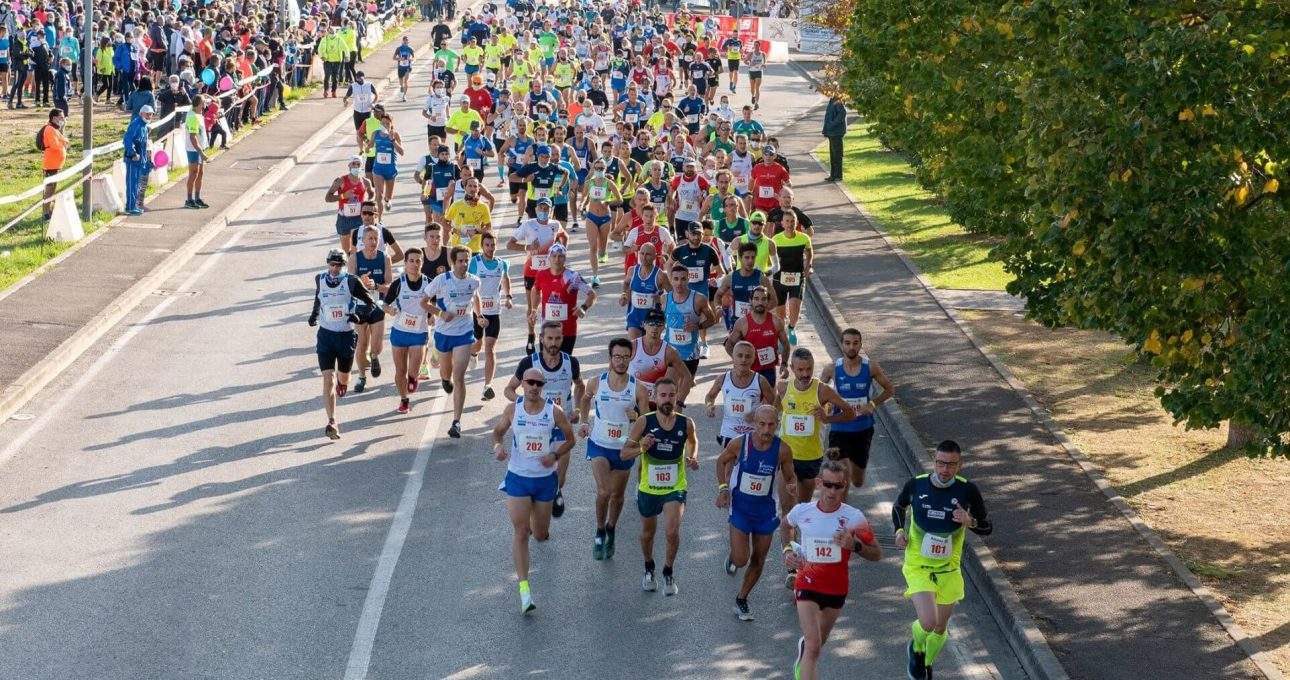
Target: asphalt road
pixel 169 507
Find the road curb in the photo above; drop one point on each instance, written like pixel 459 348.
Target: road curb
pixel 987 567
pixel 36 378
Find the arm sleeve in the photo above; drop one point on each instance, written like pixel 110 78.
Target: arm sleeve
pixel 392 293
pixel 976 506
pixel 358 291
pixel 576 368
pixel 386 235
pixel 802 218
pixel 902 501
pixel 525 364
pixel 313 312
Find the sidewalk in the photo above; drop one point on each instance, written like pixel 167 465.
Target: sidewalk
pixel 38 318
pixel 1108 605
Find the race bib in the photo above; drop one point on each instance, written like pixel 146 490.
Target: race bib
pixel 630 117
pixel 611 432
pixel 469 230
pixel 741 309
pixel 679 336
pixel 695 275
pixel 474 163
pixel 754 485
pixel 799 425
pixel 555 312
pixel 663 476
pixel 741 182
pixel 441 193
pixel 617 75
pixel 693 118
pixel 790 278
pixel 766 356
pixel 384 157
pixel 857 402
pixel 411 323
pixel 541 262
pixel 738 407
pixel 642 300
pixel 766 191
pixel 936 547
pixel 689 206
pixel 335 312
pixel 821 550
pixel 540 194
pixel 532 445
pixel 598 193
pixel 350 209
pixel 489 305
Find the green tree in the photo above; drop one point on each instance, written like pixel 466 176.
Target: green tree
pixel 1129 155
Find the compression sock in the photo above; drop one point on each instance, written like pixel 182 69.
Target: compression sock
pixel 649 565
pixel 920 637
pixel 935 641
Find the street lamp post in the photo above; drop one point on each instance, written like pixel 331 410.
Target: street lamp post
pixel 87 105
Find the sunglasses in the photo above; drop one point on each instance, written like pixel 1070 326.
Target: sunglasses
pixel 833 485
pixel 369 212
pixel 535 383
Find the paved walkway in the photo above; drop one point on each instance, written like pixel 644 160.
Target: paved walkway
pixel 1109 606
pixel 986 300
pixel 37 318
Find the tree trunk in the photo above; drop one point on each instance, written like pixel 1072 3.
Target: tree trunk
pixel 1239 435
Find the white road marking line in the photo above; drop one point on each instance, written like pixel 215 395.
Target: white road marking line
pixel 360 653
pixel 99 364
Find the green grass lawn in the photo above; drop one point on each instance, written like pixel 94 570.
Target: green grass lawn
pixel 914 218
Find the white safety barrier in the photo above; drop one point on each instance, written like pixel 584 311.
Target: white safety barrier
pixel 65 224
pixel 104 194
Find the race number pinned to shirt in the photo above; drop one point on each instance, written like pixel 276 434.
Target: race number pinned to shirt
pixel 642 300
pixel 610 431
pixel 766 191
pixel 936 547
pixel 790 278
pixel 541 262
pixel 384 157
pixel 754 485
pixel 555 311
pixel 679 336
pixel 474 163
pixel 662 476
pixel 695 275
pixel 799 425
pixel 532 445
pixel 335 312
pixel 766 355
pixel 821 550
pixel 489 305
pixel 350 209
pixel 411 323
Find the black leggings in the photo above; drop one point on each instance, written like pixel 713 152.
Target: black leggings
pixel 331 75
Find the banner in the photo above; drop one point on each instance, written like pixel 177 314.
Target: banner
pixel 747 29
pixel 782 30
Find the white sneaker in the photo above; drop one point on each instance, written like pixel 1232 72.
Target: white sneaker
pixel 526 602
pixel 669 585
pixel 703 351
pixel 647 582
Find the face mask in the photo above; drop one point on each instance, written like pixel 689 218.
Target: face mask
pixel 543 164
pixel 600 174
pixel 439 91
pixel 543 215
pixel 710 173
pixel 355 172
pixel 563 121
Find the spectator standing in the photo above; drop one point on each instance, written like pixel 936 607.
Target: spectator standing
pixel 41 65
pixel 104 71
pixel 350 39
pixel 138 162
pixel 123 64
pixel 331 49
pixel 835 128
pixel 141 97
pixel 172 97
pixel 63 85
pixel 4 59
pixel 54 146
pixel 195 142
pixel 21 58
pixel 158 48
pixel 69 47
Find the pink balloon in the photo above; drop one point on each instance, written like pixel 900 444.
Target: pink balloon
pixel 161 159
pixel 225 84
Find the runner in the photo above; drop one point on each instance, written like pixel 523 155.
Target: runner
pixel 931 533
pixel 765 180
pixel 855 374
pixel 335 293
pixel 741 391
pixel 436 178
pixel 365 137
pixel 599 196
pixel 556 297
pixel 619 400
pixel 531 454
pixel 646 231
pixel 564 386
pixel 652 358
pixel 688 312
pixel 685 199
pixel 536 236
pixel 795 254
pixel 403 58
pixel 828 532
pixel 372 266
pixel 435 111
pixel 765 333
pixel 387 146
pixel 702 262
pixel 407 300
pixel 364 95
pixel 802 402
pixel 456 294
pixel 766 255
pixel 750 462
pixel 642 289
pixel 662 439
pixel 734 48
pixel 494 293
pixel 469 219
pixel 348 193
pixel 756 61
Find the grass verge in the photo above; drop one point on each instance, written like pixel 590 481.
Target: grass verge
pixel 1199 496
pixel 915 219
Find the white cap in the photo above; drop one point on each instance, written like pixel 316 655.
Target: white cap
pixel 146 109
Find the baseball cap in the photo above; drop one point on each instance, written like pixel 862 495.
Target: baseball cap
pixel 359 74
pixel 557 248
pixel 474 125
pixel 542 150
pixel 544 201
pixel 476 79
pixel 757 216
pixel 655 317
pixel 335 256
pixel 768 149
pixel 146 109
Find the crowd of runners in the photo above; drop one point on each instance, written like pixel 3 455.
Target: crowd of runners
pixel 606 120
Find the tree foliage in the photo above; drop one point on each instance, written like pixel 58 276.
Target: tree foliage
pixel 1128 154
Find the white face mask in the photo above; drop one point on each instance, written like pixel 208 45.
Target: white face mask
pixel 355 172
pixel 439 91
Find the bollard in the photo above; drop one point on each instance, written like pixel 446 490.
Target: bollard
pixel 178 149
pixel 104 195
pixel 65 224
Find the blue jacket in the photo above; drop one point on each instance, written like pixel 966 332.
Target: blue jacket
pixel 136 140
pixel 122 58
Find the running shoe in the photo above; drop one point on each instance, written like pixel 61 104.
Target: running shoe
pixel 425 373
pixel 488 393
pixel 790 580
pixel 501 183
pixel 341 389
pixel 792 336
pixel 412 384
pixel 361 385
pixel 604 257
pixel 434 363
pixel 731 569
pixel 797 665
pixel 609 544
pixel 455 431
pixel 598 547
pixel 732 88
pixel 647 582
pixel 915 660
pixel 927 672
pixel 200 203
pixel 742 611
pixel 332 432
pixel 375 365
pixel 447 386
pixel 404 405
pixel 526 602
pixel 703 351
pixel 404 97
pixel 190 204
pixel 669 585
pixel 595 282
pixel 557 508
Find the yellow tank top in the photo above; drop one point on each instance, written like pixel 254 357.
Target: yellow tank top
pixel 799 428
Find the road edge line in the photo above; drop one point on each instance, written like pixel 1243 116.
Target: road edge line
pixel 33 380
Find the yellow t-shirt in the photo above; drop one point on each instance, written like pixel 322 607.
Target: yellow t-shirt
pixel 468 223
pixel 460 121
pixel 799 428
pixel 472 55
